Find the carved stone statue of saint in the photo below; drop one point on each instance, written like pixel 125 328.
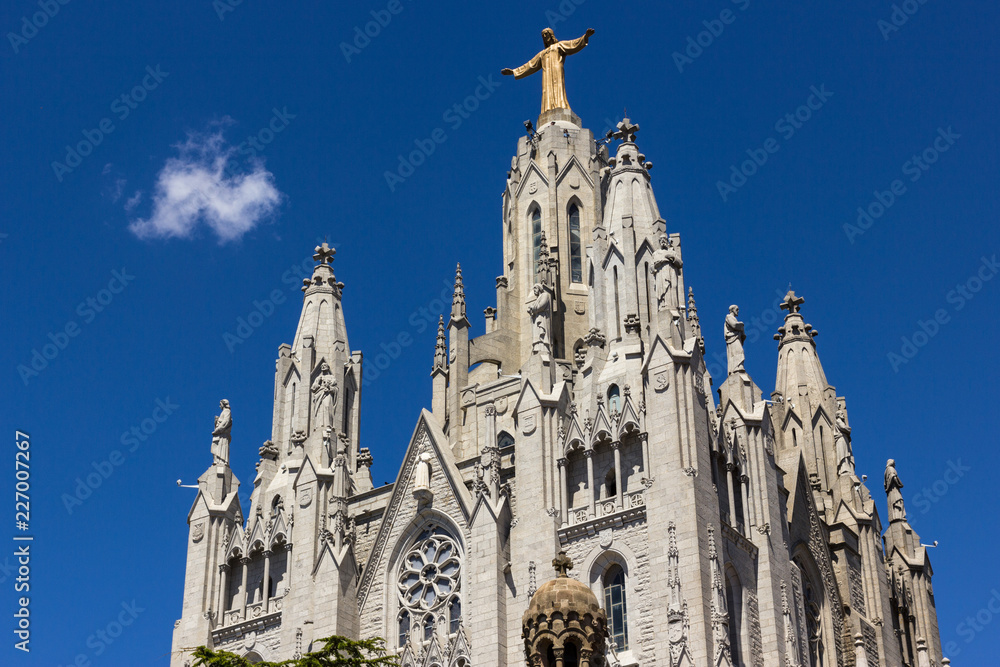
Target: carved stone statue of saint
pixel 734 341
pixel 221 434
pixel 842 437
pixel 897 512
pixel 324 397
pixel 663 258
pixel 422 478
pixel 540 310
pixel 550 61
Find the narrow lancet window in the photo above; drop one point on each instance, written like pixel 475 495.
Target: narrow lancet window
pixel 615 607
pixel 536 240
pixel 575 246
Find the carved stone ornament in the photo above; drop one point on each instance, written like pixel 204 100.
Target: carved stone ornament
pixel 501 405
pixel 268 450
pixel 662 380
pixel 305 497
pixel 532 187
pixel 607 538
pixel 198 532
pixel 528 424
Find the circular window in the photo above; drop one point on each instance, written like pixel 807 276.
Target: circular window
pixel 430 573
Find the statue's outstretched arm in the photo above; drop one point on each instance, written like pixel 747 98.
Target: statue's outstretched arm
pixel 571 46
pixel 527 68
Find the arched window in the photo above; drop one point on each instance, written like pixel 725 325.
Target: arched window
pixel 403 626
pixel 615 606
pixel 505 439
pixel 455 616
pixel 429 584
pixel 279 564
pixel 610 486
pixel 348 410
pixel 536 238
pixel 614 399
pixel 571 655
pixel 738 498
pixel 575 246
pixel 734 600
pixel 618 315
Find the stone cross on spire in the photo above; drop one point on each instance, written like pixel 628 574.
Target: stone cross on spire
pixel 626 130
pixel 562 564
pixel 324 254
pixel 792 303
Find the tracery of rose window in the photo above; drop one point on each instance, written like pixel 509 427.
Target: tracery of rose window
pixel 428 586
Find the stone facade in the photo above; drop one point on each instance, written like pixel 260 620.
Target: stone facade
pixel 716 528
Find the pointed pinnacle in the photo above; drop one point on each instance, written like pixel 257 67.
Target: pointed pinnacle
pixel 458 299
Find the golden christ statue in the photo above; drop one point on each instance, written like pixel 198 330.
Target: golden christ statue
pixel 550 61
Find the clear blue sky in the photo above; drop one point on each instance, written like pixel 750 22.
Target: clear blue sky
pixel 212 82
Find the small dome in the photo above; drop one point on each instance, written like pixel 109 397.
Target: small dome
pixel 563 594
pixel 564 615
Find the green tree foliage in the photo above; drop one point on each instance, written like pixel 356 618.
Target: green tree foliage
pixel 336 652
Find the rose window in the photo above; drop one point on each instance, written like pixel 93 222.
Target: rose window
pixel 430 573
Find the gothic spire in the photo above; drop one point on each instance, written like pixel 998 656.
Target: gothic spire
pixel 440 348
pixel 692 317
pixel 798 362
pixel 458 298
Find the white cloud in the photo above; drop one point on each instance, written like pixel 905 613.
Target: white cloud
pixel 199 186
pixel 133 201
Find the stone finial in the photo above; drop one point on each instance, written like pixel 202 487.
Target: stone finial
pixel 794 327
pixel 440 347
pixel 562 564
pixel 458 298
pixel 322 277
pixel 792 303
pixel 324 254
pixel 626 130
pixel 692 314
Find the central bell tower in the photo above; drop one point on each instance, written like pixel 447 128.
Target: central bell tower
pixel 553 200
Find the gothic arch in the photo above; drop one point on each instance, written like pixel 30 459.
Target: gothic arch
pixel 598 562
pixel 738 628
pixel 426 524
pixel 819 631
pixel 504 439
